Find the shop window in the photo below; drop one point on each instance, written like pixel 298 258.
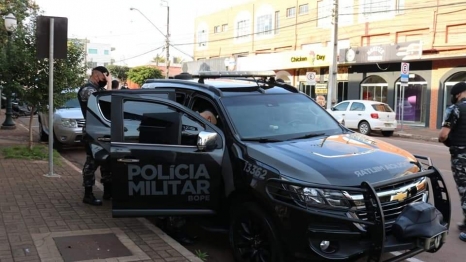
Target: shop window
pixel 411 100
pixel 374 88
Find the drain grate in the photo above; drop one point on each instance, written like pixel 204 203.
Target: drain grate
pixel 88 247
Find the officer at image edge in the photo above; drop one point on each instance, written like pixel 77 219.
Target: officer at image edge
pixel 453 135
pixel 100 80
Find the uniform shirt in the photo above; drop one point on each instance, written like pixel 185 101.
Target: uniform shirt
pixel 452 114
pixel 84 93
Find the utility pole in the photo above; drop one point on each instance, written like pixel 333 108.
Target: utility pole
pixel 168 40
pixel 333 69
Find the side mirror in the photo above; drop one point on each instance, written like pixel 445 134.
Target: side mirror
pixel 206 141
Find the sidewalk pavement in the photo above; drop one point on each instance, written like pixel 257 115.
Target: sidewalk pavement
pixel 418 133
pixel 43 218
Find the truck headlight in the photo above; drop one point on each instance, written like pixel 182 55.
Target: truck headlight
pixel 70 123
pixel 321 197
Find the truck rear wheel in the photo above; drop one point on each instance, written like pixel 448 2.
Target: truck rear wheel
pixel 253 236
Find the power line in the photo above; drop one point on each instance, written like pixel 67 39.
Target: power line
pixel 136 56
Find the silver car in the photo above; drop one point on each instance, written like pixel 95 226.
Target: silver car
pixel 68 122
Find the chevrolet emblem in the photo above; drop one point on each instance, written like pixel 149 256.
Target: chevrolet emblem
pixel 400 196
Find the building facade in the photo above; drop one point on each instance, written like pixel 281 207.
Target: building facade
pixel 374 38
pixel 98 54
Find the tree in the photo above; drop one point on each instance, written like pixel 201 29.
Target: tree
pixel 120 72
pixel 29 76
pixel 158 59
pixel 140 74
pixel 178 60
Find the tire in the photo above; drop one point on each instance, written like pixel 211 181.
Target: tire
pixel 387 133
pixel 364 128
pixel 43 137
pixel 252 231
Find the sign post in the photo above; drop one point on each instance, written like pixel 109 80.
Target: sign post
pixel 52 43
pixel 311 78
pixel 404 82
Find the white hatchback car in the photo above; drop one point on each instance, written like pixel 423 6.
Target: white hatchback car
pixel 366 116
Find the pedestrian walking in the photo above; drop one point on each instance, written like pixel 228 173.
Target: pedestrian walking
pixel 99 80
pixel 453 135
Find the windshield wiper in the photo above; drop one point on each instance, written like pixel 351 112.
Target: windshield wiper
pixel 308 136
pixel 262 140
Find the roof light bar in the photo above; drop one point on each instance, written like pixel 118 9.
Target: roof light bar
pixel 218 74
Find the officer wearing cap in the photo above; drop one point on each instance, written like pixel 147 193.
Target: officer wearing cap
pixel 453 135
pixel 99 80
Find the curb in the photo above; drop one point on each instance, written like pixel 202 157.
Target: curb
pixel 415 137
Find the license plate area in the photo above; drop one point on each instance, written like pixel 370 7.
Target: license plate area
pixel 432 244
pixel 388 124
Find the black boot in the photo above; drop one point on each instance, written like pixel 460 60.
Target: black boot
pixel 462 226
pixel 90 199
pixel 107 191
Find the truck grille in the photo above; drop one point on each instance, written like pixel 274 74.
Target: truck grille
pixel 394 199
pixel 81 122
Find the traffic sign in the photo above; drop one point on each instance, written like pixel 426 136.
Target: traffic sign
pixel 404 72
pixel 311 78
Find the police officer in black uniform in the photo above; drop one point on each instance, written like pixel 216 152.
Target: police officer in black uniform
pixel 453 135
pixel 100 79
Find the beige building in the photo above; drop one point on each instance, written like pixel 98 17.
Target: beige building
pixel 374 38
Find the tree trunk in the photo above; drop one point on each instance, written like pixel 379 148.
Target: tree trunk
pixel 31 137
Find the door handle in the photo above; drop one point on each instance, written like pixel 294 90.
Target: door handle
pixel 128 160
pixel 104 139
pixel 359 114
pixel 342 114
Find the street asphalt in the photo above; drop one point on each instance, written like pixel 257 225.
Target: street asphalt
pixel 216 244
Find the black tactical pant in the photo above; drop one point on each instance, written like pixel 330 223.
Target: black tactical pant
pixel 458 167
pixel 91 166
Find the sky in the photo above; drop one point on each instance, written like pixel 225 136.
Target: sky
pixel 132 35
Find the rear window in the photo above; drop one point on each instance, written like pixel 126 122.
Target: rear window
pixel 382 108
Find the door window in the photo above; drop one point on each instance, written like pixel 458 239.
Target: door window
pixel 154 123
pixel 341 107
pixel 357 107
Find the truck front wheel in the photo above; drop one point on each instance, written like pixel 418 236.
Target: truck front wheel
pixel 253 236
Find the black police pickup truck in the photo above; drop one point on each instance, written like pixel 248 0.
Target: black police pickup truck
pixel 288 180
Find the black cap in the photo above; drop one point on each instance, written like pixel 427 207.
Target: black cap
pixel 101 69
pixel 458 88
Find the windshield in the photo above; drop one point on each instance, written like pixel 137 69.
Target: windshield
pixel 71 103
pixel 278 116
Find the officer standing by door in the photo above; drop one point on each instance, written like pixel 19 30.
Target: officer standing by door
pixel 100 80
pixel 453 135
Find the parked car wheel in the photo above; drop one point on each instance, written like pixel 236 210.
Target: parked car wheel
pixel 364 128
pixel 42 135
pixel 253 236
pixel 387 133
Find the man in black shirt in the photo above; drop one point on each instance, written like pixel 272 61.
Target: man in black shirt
pixel 99 80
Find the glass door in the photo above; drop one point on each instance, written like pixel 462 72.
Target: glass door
pixel 446 96
pixel 342 91
pixel 307 89
pixel 410 102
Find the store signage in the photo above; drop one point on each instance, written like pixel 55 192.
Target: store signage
pixel 285 60
pixel 381 53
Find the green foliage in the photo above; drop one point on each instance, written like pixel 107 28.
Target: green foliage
pixel 158 59
pixel 201 255
pixel 120 72
pixel 37 153
pixel 140 74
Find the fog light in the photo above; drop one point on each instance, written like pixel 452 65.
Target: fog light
pixel 63 138
pixel 324 245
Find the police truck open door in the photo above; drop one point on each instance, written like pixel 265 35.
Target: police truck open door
pixel 166 159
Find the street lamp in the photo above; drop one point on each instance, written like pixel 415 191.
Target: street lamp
pixel 10 25
pixel 167 36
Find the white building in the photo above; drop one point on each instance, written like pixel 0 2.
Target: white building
pixel 98 54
